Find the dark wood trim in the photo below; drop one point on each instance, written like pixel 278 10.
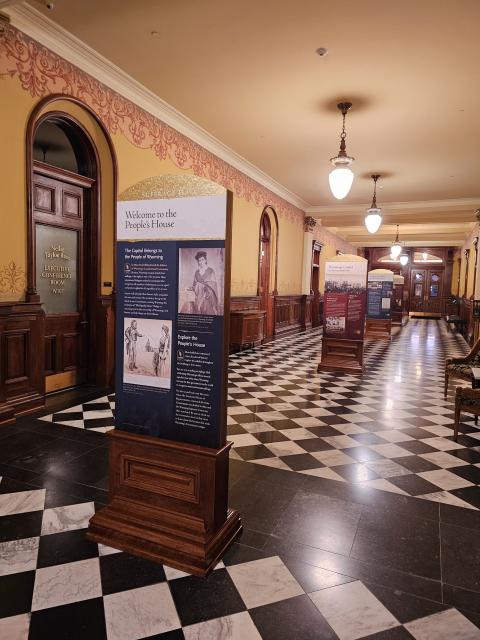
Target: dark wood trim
pixel 168 502
pixel 100 308
pixel 475 245
pixel 378 329
pixel 267 298
pixel 33 122
pixel 244 303
pixel 62 174
pixel 466 253
pixel 22 376
pixel 341 355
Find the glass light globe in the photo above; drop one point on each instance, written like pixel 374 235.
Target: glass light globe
pixel 341 179
pixel 395 251
pixel 403 260
pixel 373 220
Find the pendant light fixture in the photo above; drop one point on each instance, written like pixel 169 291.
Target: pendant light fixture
pixel 396 248
pixel 373 218
pixel 341 177
pixel 404 260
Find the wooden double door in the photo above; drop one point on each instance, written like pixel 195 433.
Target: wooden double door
pixel 62 255
pixel 426 291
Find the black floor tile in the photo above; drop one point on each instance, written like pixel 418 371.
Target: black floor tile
pixel 319 521
pixel 260 503
pixel 313 578
pixel 414 485
pixel 198 599
pixel 20 525
pixel 270 436
pixel 461 517
pixel 254 452
pixel 239 553
pixel 397 633
pixel 77 621
pixel 469 494
pixel 404 606
pixel 16 593
pixel 49 457
pixel 23 443
pixel 301 462
pixel 415 463
pixel 460 557
pixel 399 542
pixel 122 571
pixel 293 618
pixel 68 546
pixel 469 472
pixel 461 598
pixel 87 469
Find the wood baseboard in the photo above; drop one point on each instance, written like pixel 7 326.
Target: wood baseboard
pixel 167 503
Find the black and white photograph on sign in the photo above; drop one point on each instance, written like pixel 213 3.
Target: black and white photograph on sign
pixel 148 352
pixel 201 281
pixel 335 323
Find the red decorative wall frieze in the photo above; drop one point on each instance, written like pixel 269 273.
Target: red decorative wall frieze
pixel 42 72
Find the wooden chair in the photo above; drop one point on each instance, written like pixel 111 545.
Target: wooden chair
pixel 462 367
pixel 466 401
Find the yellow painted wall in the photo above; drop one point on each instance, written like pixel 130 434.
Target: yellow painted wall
pixel 462 276
pixel 471 271
pixel 15 105
pixel 134 164
pixel 455 273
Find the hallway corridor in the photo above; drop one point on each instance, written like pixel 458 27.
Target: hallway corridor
pixel 361 514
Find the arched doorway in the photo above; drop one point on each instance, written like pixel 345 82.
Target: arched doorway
pixel 64 258
pixel 267 266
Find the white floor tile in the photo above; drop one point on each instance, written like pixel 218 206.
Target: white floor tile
pixel 264 581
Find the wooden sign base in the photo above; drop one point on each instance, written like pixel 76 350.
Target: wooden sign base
pixel 167 502
pixel 378 329
pixel 399 318
pixel 341 355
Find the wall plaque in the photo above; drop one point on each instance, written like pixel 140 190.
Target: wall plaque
pixel 56 268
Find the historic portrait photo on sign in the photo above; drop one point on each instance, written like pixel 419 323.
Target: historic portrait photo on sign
pixel 148 352
pixel 201 281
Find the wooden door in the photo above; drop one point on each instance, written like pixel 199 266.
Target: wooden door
pixel 264 272
pixel 418 290
pixel 60 270
pixel 434 291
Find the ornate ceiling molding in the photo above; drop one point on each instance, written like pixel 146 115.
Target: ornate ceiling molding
pixel 459 204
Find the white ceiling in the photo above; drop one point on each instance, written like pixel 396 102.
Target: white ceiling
pixel 248 74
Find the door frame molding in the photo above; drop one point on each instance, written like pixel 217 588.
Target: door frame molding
pixel 100 372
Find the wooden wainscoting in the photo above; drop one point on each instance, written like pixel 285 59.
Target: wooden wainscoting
pixel 22 373
pixel 244 303
pixel 290 314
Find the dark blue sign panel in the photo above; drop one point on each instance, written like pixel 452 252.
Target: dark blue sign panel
pixel 170 343
pixel 379 298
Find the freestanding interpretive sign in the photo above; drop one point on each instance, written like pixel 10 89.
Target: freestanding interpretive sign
pixel 344 314
pixel 168 452
pixel 398 314
pixel 379 304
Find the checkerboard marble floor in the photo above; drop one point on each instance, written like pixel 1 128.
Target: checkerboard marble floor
pixel 336 543
pixel 55 584
pixel 391 429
